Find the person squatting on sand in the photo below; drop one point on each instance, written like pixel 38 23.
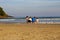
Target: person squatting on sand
pixel 29 20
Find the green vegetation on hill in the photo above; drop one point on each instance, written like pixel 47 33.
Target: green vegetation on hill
pixel 3 14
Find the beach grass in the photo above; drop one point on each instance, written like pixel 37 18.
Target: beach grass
pixel 18 31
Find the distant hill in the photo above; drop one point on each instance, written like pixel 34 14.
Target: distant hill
pixel 3 14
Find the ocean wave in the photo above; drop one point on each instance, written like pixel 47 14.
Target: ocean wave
pixel 48 20
pixel 7 19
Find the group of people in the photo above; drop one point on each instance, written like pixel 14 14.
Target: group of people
pixel 32 19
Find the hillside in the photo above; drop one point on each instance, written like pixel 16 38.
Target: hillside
pixel 3 14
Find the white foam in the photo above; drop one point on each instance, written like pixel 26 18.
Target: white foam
pixel 7 19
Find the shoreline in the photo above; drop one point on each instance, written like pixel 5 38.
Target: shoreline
pixel 29 23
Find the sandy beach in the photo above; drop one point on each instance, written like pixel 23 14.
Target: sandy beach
pixel 18 31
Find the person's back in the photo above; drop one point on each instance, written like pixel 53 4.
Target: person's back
pixel 33 19
pixel 30 20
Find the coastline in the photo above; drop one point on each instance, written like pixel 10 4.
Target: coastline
pixel 41 20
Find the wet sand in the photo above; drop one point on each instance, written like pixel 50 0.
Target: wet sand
pixel 17 31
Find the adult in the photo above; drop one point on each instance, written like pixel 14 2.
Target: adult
pixel 27 19
pixel 33 19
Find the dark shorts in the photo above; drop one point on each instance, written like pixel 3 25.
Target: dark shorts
pixel 29 20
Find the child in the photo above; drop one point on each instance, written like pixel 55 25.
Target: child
pixel 37 20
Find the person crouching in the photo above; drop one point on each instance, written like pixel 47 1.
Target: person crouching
pixel 29 20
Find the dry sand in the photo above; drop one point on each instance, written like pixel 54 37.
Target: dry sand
pixel 17 31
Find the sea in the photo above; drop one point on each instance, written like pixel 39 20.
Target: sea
pixel 55 20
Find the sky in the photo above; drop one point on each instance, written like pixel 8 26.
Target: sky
pixel 23 8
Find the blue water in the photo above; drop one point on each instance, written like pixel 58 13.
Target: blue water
pixel 46 20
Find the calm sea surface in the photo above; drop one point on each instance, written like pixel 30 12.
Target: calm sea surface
pixel 41 20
